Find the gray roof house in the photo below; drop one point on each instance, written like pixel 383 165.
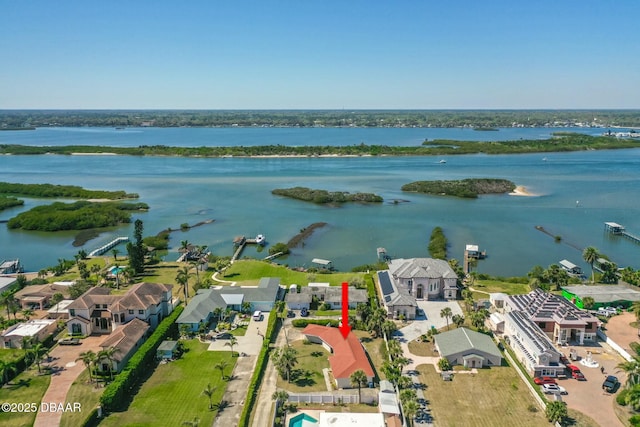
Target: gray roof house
pixel 397 300
pixel 331 295
pixel 201 307
pixel 425 278
pixel 472 349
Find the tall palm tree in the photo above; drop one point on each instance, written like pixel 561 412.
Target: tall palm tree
pixel 556 411
pixel 38 350
pixel 88 359
pixel 280 396
pixel 95 269
pixel 632 368
pixel 217 312
pixel 359 379
pixel 115 252
pixel 233 341
pixel 446 313
pixel 410 410
pixel 209 391
pixel 458 320
pixel 590 255
pixel 183 279
pixel 222 366
pixel 8 300
pixel 285 359
pixel 27 313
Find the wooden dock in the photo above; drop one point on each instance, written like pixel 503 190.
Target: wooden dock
pixel 619 230
pixel 102 249
pixel 240 242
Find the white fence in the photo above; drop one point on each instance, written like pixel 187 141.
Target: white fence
pixel 614 345
pixel 330 398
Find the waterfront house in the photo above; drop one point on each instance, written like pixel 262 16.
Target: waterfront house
pixel 397 300
pixel 38 297
pixel 570 268
pixel 425 278
pixel 201 308
pixel 469 348
pixel 347 354
pixel 99 312
pixel 11 267
pixel 562 321
pixel 331 295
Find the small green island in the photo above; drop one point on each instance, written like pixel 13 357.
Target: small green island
pixel 9 202
pixel 80 215
pixel 466 188
pixel 63 191
pixel 326 197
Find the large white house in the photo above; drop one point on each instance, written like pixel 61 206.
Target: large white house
pixel 99 312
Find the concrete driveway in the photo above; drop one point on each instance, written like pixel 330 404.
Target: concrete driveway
pixel 431 319
pixel 588 396
pixel 63 362
pixel 250 343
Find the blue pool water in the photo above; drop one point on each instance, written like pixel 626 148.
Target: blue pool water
pixel 298 420
pixel 116 270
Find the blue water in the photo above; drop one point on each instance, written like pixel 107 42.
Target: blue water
pixel 236 192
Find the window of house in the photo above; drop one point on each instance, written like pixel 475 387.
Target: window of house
pixel 140 311
pixel 104 306
pixel 72 312
pixel 542 325
pixel 130 311
pixel 97 306
pixel 121 317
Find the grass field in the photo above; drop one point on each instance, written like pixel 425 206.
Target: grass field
pixel 85 393
pixel 10 354
pixel 250 271
pixel 173 393
pixel 376 350
pixel 492 286
pixel 307 374
pixel 423 348
pixel 493 397
pixel 28 387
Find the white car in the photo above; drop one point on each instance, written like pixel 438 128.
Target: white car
pixel 553 389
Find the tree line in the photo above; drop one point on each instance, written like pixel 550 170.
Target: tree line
pixel 324 196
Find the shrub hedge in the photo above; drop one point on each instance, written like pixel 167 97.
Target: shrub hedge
pixel 258 372
pixel 118 393
pixel 301 323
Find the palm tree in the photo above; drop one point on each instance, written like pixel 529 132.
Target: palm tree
pixel 590 255
pixel 588 302
pixel 8 300
pixel 233 341
pixel 209 391
pixel 556 411
pixel 95 269
pixel 246 307
pixel 632 398
pixel 388 328
pixel 27 313
pixel 394 348
pixel 108 354
pixel 359 379
pixel 88 358
pixel 281 396
pixel 217 312
pixel 632 368
pixel 401 362
pixel 410 410
pixel 285 359
pixel 458 320
pixel 115 252
pixel 221 366
pixel 446 313
pixel 38 351
pixel 183 279
pixel 404 382
pixel 5 370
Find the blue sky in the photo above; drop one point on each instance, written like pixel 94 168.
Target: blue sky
pixel 320 55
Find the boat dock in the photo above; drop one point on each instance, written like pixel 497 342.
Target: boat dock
pixel 471 254
pixel 240 242
pixel 102 249
pixel 619 230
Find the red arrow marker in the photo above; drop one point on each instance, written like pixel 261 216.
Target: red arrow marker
pixel 344 327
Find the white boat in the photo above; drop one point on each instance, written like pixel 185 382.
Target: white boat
pixel 443 161
pixel 260 239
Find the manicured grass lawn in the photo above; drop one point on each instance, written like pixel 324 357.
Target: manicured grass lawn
pixel 88 395
pixel 10 354
pixel 376 349
pixel 251 271
pixel 173 393
pixel 307 374
pixel 28 387
pixel 492 286
pixel 239 331
pixel 493 397
pixel 423 348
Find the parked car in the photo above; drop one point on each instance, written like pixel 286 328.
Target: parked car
pixel 612 310
pixel 544 380
pixel 553 389
pixel 290 313
pixel 576 373
pixel 304 312
pixel 604 312
pixel 610 384
pixel 69 341
pixel 224 336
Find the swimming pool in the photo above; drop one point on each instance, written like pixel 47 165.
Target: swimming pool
pixel 299 421
pixel 116 270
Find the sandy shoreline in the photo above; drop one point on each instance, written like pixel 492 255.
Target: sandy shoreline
pixel 521 191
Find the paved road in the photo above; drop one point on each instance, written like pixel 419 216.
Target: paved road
pixel 63 362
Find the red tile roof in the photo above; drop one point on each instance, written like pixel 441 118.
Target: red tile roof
pixel 348 354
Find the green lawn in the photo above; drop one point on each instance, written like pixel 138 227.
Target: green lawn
pixel 173 393
pixel 85 393
pixel 492 286
pixel 28 387
pixel 376 350
pixel 493 397
pixel 250 272
pixel 10 354
pixel 307 374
